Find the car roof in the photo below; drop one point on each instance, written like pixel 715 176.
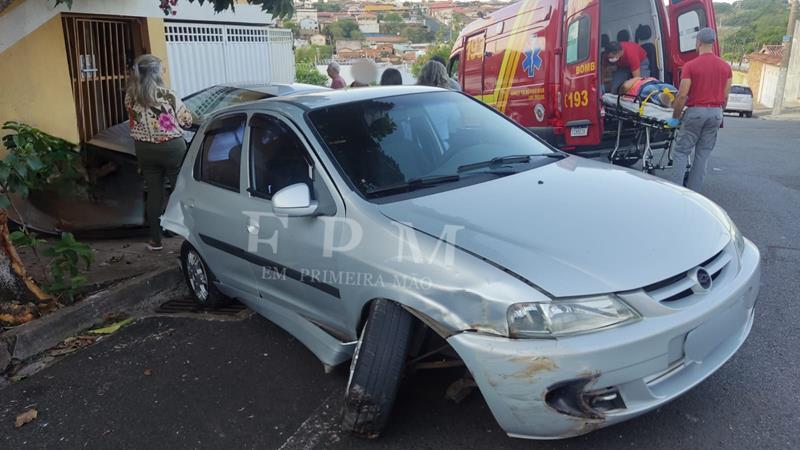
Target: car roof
pixel 276 89
pixel 323 99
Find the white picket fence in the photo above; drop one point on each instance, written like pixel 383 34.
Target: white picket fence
pixel 204 54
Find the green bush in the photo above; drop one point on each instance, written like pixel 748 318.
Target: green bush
pixel 306 72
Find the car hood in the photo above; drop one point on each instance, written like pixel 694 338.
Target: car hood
pixel 576 226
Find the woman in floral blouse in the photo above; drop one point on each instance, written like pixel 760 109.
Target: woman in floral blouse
pixel 156 118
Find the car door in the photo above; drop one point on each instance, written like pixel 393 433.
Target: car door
pixel 216 201
pixel 580 109
pixel 686 18
pixel 293 264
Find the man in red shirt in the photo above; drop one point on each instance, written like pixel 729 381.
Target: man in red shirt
pixel 631 61
pixel 705 84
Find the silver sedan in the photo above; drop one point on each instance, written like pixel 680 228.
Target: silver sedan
pixel 405 227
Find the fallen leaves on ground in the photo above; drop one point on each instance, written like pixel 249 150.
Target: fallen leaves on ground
pixel 27 416
pixel 13 314
pixel 113 328
pixel 72 344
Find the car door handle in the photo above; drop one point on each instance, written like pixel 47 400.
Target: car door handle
pixel 252 229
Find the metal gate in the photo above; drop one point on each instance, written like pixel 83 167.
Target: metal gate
pixel 98 53
pixel 204 54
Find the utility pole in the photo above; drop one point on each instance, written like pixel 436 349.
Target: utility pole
pixel 787 54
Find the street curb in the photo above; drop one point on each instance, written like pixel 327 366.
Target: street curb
pixel 128 296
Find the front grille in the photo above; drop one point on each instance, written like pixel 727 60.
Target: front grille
pixel 679 286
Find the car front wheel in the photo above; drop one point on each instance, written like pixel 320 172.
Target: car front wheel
pixel 377 368
pixel 199 279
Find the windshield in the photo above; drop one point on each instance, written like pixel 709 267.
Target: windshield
pixel 203 103
pixel 400 140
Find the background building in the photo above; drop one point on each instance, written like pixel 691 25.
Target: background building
pixel 65 70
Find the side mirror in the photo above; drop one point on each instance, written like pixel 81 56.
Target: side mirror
pixel 294 201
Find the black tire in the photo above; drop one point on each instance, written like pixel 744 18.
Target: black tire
pixel 199 279
pixel 749 114
pixel 741 114
pixel 377 368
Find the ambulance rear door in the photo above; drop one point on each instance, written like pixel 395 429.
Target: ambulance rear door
pixel 686 18
pixel 473 64
pixel 579 99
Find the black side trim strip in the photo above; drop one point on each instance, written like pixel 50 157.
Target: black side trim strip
pixel 271 265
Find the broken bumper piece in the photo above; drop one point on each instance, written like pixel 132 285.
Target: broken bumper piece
pixel 559 388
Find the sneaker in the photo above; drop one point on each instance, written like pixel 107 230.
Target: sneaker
pixel 153 247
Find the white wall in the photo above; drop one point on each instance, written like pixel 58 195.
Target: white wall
pixel 769 83
pixel 31 14
pixel 792 93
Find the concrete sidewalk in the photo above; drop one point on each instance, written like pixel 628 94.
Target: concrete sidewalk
pixel 791 111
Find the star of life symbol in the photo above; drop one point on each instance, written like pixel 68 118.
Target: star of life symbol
pixel 533 59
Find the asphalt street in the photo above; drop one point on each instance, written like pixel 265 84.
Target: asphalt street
pixel 183 382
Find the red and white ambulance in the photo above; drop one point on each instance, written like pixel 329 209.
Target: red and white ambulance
pixel 539 61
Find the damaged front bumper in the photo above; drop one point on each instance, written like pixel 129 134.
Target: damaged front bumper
pixel 559 388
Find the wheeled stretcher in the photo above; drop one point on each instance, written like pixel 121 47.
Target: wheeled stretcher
pixel 650 131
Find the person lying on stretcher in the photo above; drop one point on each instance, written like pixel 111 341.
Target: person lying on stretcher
pixel 651 90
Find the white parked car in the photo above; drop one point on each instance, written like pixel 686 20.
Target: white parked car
pixel 740 100
pixel 401 226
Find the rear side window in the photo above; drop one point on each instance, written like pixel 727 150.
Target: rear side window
pixel 578 40
pixel 741 90
pixel 689 23
pixel 279 158
pixel 220 156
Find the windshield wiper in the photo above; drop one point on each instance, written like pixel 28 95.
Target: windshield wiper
pixel 509 159
pixel 414 184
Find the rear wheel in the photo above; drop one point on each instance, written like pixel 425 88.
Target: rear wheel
pixel 199 279
pixel 741 114
pixel 749 114
pixel 376 369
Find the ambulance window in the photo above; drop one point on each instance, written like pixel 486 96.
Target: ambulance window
pixel 689 23
pixel 578 40
pixel 453 72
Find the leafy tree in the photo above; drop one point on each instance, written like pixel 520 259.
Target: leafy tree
pixel 345 29
pixel 328 7
pixel 312 53
pixel 392 17
pixel 442 50
pixel 746 25
pixel 36 160
pixel 306 72
pixel 278 8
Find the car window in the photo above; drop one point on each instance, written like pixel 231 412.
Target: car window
pixel 689 23
pixel 203 103
pixel 392 140
pixel 578 40
pixel 220 156
pixel 278 157
pixel 744 90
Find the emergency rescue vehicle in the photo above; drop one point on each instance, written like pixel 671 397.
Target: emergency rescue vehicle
pixel 540 61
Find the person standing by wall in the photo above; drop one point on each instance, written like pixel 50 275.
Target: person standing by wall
pixel 704 88
pixel 337 82
pixel 156 117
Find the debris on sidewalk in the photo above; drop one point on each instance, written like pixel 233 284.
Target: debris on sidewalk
pixel 72 344
pixel 26 417
pixel 113 328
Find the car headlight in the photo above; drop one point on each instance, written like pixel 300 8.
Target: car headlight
pixel 568 317
pixel 737 238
